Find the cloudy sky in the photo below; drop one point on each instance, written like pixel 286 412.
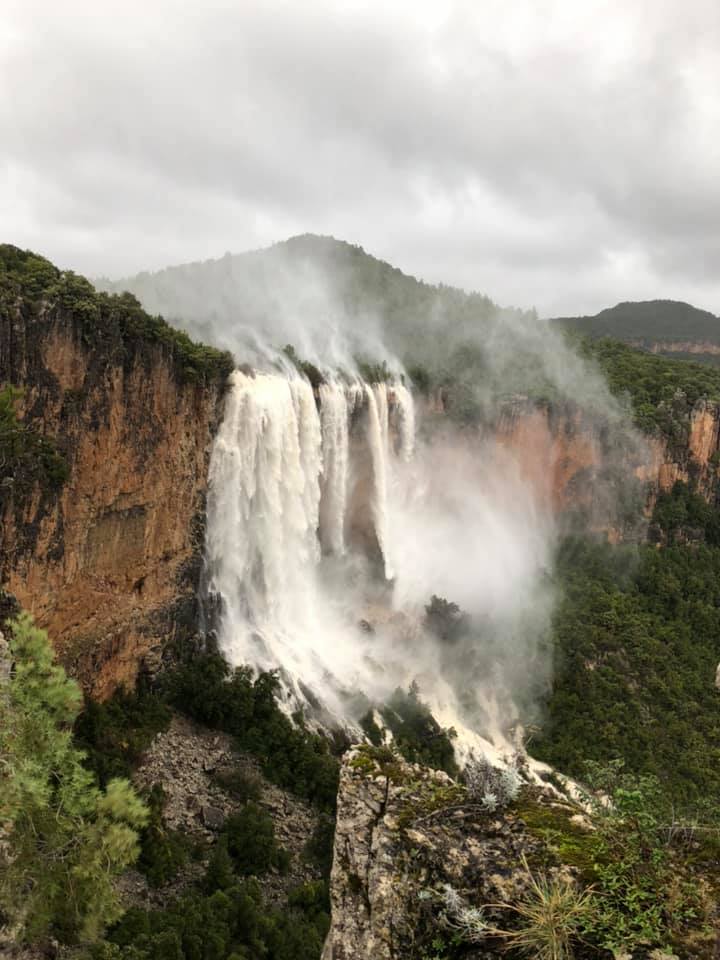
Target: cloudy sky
pixel 557 153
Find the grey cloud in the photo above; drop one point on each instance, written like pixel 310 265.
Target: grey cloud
pixel 554 154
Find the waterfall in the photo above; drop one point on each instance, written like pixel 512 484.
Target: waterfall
pixel 292 471
pixel 405 421
pixel 263 510
pixel 377 433
pixel 278 501
pixel 334 418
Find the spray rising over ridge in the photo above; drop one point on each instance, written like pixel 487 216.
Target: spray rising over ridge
pixel 352 501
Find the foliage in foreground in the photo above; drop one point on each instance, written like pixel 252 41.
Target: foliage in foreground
pixel 642 879
pixel 67 839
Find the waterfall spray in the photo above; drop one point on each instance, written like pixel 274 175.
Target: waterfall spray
pixel 292 471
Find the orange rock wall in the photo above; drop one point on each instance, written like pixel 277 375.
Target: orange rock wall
pixel 109 565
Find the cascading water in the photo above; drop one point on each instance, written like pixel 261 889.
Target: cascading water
pixel 263 509
pixel 406 420
pixel 278 500
pixel 305 488
pixel 377 432
pixel 335 413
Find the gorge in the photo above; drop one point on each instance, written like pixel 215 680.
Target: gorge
pixel 385 542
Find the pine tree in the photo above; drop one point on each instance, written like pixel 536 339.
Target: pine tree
pixel 62 839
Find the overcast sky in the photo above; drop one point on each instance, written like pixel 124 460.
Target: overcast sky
pixel 557 153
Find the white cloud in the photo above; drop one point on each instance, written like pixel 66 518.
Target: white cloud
pixel 553 153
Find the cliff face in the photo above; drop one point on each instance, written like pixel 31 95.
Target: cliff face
pixel 561 453
pixel 411 850
pixel 109 562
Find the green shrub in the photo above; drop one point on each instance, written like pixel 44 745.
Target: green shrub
pixel 239 784
pixel 250 839
pixel 417 734
pixel 163 852
pixel 116 733
pixel 319 848
pixel 66 839
pixel 227 923
pixel 26 457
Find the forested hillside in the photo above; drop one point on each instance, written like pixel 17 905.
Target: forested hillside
pixel 667 327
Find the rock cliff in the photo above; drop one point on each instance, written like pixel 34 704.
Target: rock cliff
pixel 109 560
pixel 409 849
pixel 562 454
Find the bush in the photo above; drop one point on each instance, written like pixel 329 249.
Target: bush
pixel 320 846
pixel 445 620
pixel 551 917
pixel 250 839
pixel 163 852
pixel 418 735
pixel 494 788
pixel 26 457
pixel 239 784
pixel 227 923
pixel 116 733
pixel 646 893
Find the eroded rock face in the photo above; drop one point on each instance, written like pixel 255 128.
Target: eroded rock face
pixel 110 563
pixel 561 454
pixel 402 833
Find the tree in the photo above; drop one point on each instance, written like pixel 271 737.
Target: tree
pixel 64 838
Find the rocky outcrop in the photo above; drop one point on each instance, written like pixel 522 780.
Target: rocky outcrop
pixel 109 562
pixel 404 836
pixel 193 765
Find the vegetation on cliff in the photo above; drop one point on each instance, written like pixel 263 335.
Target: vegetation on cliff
pixel 206 688
pixel 30 284
pixel 636 651
pixel 26 457
pixel 661 392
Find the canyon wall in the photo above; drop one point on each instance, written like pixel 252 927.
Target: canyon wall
pixel 109 561
pixel 561 452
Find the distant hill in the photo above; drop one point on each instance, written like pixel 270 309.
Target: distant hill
pixel 666 327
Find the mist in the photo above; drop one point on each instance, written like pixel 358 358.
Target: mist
pixel 337 510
